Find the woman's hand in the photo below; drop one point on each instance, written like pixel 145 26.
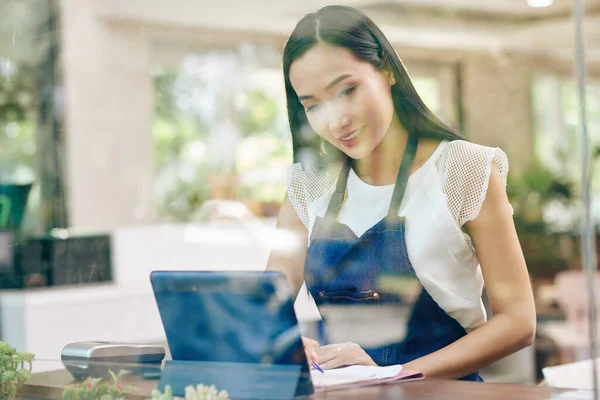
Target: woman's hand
pixel 310 348
pixel 343 354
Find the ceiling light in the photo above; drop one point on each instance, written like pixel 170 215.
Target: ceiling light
pixel 539 3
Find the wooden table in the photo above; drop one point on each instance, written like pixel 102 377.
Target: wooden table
pixel 49 385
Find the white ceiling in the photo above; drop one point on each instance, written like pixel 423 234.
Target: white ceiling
pixel 517 8
pixel 453 25
pixel 478 25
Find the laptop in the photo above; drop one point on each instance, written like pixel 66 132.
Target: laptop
pixel 233 320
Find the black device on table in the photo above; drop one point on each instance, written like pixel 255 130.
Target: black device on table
pixel 95 358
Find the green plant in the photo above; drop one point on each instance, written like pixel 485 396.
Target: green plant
pixel 200 392
pixel 93 389
pixel 532 191
pixel 15 369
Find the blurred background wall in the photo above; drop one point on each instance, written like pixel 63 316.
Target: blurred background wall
pixel 130 117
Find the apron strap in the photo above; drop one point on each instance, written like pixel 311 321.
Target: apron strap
pixel 337 199
pixel 402 180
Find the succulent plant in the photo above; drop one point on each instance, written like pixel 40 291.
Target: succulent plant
pixel 199 392
pixel 15 369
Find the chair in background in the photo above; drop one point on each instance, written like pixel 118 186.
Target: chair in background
pixel 571 335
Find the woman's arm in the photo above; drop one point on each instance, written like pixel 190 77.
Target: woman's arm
pixel 289 249
pixel 288 254
pixel 512 326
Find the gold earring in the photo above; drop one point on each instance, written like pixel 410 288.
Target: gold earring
pixel 322 147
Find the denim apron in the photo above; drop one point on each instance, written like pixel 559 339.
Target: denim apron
pixel 343 269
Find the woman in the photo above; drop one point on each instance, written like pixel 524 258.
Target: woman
pixel 395 193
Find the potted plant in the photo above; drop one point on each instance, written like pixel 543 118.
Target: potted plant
pixel 531 193
pixel 199 392
pixel 15 369
pixel 95 389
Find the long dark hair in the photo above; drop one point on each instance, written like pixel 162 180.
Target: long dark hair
pixel 349 28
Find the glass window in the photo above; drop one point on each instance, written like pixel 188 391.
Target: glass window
pixel 221 131
pixel 18 121
pixel 557 136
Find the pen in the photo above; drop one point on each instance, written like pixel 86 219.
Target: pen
pixel 317 367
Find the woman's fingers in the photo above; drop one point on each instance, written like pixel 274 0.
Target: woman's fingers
pixel 340 361
pixel 311 355
pixel 310 348
pixel 329 352
pixel 343 354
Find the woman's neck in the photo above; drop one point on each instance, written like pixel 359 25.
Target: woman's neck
pixel 380 168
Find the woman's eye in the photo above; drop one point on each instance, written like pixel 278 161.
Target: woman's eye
pixel 310 108
pixel 347 92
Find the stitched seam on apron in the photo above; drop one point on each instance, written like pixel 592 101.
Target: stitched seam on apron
pixel 387 347
pixel 387 230
pixel 340 238
pixel 351 298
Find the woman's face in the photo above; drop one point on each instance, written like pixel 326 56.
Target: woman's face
pixel 347 101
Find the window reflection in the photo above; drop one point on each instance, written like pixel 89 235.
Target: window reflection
pixel 152 141
pixel 221 132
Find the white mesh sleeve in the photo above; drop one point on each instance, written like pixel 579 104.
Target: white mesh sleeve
pixel 305 184
pixel 465 169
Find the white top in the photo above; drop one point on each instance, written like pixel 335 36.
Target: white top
pixel 441 196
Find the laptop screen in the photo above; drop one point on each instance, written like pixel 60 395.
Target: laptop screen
pixel 238 317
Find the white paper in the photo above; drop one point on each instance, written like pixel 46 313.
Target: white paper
pixel 577 375
pixel 352 374
pixel 574 395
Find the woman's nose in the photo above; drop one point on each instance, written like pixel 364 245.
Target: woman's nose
pixel 339 122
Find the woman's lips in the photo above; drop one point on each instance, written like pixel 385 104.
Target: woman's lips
pixel 352 135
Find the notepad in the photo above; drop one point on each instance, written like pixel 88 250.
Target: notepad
pixel 577 375
pixel 360 375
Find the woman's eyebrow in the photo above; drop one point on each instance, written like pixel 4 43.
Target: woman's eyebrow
pixel 333 83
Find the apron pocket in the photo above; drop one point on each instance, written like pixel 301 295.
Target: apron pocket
pixel 362 318
pixel 369 297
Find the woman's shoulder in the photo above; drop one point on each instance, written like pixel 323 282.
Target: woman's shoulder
pixel 465 169
pixel 305 183
pixel 312 176
pixel 464 149
pixel 464 158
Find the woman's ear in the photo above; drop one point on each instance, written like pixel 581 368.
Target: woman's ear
pixel 391 77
